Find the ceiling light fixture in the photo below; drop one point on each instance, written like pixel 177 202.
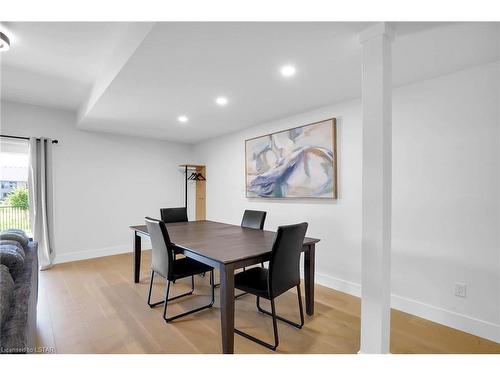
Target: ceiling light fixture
pixel 221 101
pixel 4 42
pixel 182 119
pixel 288 70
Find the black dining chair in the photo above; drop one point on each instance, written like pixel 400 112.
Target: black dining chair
pixel 164 263
pixel 174 214
pixel 282 275
pixel 253 219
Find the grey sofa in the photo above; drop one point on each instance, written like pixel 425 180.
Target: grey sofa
pixel 18 294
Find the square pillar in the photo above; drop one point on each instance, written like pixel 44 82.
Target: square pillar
pixel 376 189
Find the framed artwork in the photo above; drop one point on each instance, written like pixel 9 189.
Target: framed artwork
pixel 294 163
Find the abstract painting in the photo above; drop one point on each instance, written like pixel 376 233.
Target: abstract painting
pixel 295 163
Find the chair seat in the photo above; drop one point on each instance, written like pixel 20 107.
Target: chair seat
pixel 253 281
pixel 188 267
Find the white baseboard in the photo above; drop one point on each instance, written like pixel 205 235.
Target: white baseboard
pixel 97 253
pixel 341 285
pixel 469 324
pixel 89 254
pixel 466 323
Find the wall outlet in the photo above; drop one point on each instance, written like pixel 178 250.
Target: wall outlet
pixel 461 290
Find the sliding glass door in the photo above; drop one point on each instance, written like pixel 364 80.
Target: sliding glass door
pixel 14 210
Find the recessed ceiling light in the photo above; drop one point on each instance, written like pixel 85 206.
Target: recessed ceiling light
pixel 182 119
pixel 4 42
pixel 288 70
pixel 221 100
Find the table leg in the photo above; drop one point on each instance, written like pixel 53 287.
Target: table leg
pixel 227 308
pixel 309 277
pixel 137 257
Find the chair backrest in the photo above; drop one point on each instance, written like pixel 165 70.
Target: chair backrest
pixel 285 258
pixel 253 219
pixel 162 256
pixel 174 215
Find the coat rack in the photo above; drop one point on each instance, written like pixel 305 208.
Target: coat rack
pixel 198 174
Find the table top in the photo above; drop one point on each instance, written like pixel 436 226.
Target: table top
pixel 220 242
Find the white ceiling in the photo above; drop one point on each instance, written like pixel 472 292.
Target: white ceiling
pixel 55 63
pixel 179 68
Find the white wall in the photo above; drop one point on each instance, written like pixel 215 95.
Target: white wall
pixel 445 194
pixel 445 197
pixel 103 183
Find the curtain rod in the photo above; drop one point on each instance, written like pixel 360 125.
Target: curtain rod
pixel 26 138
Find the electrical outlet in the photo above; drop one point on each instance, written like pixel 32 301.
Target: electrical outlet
pixel 461 290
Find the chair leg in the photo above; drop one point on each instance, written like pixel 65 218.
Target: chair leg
pixel 171 299
pixel 239 295
pixel 275 324
pixel 212 283
pixel 169 319
pixel 299 296
pixel 275 331
pixel 150 290
pixel 166 299
pixel 296 325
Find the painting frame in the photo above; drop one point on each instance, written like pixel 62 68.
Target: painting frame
pixel 333 124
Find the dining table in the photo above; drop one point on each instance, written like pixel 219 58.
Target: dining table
pixel 228 248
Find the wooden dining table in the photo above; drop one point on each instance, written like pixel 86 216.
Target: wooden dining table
pixel 227 248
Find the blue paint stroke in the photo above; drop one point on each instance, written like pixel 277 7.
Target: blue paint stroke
pixel 272 184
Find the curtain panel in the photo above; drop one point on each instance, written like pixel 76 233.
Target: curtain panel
pixel 41 200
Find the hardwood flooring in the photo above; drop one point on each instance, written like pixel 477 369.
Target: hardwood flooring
pixel 93 306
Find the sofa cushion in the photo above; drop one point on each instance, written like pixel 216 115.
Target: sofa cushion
pixel 18 335
pixel 6 294
pixel 18 246
pixel 10 257
pixel 15 236
pixel 18 231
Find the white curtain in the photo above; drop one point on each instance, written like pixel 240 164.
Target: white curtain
pixel 41 202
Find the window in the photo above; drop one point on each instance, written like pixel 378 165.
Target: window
pixel 14 211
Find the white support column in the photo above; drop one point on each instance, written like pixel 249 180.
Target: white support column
pixel 377 181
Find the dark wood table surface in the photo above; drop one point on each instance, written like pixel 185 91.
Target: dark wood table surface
pixel 227 248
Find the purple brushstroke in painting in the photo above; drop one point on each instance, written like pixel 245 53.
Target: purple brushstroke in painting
pixel 270 184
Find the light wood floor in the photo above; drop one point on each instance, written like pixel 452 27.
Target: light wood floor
pixel 93 306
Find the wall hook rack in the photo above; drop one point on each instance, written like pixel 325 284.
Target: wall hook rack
pixel 196 176
pixel 198 173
